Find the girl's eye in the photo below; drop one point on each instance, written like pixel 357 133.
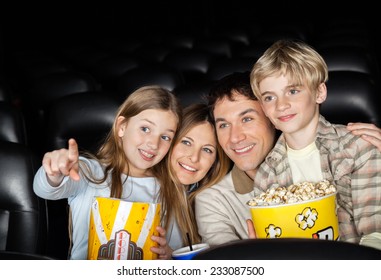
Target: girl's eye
pixel 185 142
pixel 145 129
pixel 166 138
pixel 293 91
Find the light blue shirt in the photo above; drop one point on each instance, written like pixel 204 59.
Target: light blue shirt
pixel 80 195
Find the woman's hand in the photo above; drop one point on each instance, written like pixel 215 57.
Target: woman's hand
pixel 369 132
pixel 163 250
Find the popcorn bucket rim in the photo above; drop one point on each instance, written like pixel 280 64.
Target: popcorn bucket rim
pixel 292 204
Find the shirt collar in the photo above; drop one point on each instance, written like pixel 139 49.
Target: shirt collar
pixel 243 184
pixel 326 129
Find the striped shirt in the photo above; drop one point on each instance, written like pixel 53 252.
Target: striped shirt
pixel 349 162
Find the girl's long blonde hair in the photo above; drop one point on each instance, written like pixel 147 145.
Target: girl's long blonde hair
pixel 112 157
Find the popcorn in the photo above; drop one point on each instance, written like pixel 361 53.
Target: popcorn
pixel 294 193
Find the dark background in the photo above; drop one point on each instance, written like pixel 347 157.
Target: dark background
pixel 30 23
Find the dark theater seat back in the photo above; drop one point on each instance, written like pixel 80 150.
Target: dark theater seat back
pixel 86 117
pixel 12 124
pixel 352 97
pixel 22 213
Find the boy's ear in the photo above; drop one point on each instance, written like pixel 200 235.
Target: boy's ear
pixel 321 93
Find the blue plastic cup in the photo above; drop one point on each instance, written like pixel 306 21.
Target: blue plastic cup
pixel 186 254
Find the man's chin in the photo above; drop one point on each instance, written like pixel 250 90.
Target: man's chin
pixel 245 166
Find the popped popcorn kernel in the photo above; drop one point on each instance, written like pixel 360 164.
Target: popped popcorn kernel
pixel 294 193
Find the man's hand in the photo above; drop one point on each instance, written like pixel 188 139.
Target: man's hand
pixel 250 229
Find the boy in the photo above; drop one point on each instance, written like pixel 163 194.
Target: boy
pixel 289 80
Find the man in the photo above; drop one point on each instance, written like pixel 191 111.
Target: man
pixel 247 136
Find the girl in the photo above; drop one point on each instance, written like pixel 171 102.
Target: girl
pixel 128 165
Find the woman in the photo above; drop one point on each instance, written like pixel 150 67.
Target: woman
pixel 196 161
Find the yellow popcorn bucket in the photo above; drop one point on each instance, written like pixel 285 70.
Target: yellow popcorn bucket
pixel 122 230
pixel 316 218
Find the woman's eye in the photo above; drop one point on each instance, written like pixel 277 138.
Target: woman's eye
pixel 209 151
pixel 186 142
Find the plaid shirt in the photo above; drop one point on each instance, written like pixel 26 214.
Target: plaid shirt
pixel 349 162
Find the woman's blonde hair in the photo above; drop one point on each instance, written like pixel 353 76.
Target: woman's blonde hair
pixel 294 59
pixel 111 154
pixel 194 115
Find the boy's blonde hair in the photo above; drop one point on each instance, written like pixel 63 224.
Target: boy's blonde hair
pixel 294 59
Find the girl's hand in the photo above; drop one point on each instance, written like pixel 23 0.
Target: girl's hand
pixel 60 163
pixel 369 132
pixel 163 250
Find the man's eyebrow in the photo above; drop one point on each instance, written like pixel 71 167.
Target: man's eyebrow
pixel 249 110
pixel 219 120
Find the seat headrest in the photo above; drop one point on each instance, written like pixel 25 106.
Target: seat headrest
pixel 352 97
pixel 86 117
pixel 12 126
pixel 17 168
